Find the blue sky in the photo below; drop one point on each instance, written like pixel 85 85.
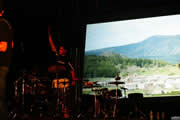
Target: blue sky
pixel 125 32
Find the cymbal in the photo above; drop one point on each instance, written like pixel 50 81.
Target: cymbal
pixel 90 83
pixel 91 86
pixel 116 82
pixel 96 89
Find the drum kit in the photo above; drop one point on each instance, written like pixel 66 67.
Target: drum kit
pixel 98 90
pixel 31 84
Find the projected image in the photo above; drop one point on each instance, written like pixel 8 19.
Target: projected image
pixel 145 53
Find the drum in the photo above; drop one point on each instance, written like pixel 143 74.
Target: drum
pixel 113 93
pixel 61 83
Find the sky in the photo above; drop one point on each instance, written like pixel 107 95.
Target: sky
pixel 118 33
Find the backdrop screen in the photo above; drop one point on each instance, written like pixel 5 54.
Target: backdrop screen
pixel 144 52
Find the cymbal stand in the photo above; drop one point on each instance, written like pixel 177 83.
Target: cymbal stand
pixel 115 105
pixel 64 104
pixel 95 102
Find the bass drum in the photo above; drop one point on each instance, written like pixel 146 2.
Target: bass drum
pixel 113 93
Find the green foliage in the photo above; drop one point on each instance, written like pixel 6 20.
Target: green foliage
pixel 179 65
pixel 99 66
pixel 108 66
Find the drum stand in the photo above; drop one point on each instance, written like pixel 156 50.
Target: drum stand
pixel 58 94
pixel 57 109
pixel 96 108
pixel 64 106
pixel 61 105
pixel 95 102
pixel 115 105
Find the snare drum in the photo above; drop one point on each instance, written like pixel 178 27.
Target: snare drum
pixel 60 83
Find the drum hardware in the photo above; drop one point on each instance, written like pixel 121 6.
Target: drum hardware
pixel 91 84
pixel 117 77
pixel 34 88
pixel 116 83
pixel 28 86
pixel 115 105
pixel 61 85
pixel 16 84
pixel 97 91
pixel 95 101
pixel 95 88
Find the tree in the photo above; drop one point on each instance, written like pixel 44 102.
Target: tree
pixel 179 65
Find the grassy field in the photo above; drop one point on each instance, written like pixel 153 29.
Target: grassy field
pixel 166 70
pixel 170 70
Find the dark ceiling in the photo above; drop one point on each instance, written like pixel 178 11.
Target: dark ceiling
pixel 30 19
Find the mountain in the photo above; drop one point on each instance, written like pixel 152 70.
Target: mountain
pixel 160 47
pixel 111 54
